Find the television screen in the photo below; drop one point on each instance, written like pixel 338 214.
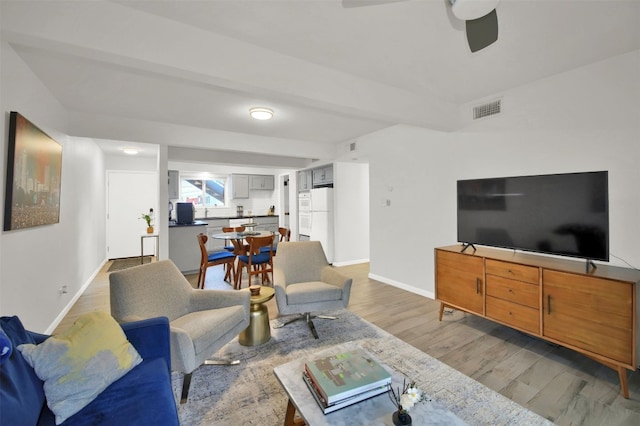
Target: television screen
pixel 562 214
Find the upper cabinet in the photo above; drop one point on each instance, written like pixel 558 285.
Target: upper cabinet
pixel 315 178
pixel 240 186
pixel 261 182
pixel 323 176
pixel 304 180
pixel 174 184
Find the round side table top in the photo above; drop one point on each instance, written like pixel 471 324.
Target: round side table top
pixel 266 294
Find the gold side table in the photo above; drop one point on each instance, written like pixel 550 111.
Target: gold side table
pixel 258 331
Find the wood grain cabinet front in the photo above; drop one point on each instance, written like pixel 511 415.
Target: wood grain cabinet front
pixel 460 282
pixel 513 295
pixel 589 313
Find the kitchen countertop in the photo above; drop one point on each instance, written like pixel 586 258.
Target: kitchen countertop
pixel 197 222
pixel 200 221
pixel 236 217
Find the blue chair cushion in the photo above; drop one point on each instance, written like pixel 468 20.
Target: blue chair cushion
pixel 257 258
pixel 229 248
pixel 21 393
pixel 140 397
pixel 220 255
pixel 266 249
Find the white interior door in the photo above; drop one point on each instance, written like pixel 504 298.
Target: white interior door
pixel 129 195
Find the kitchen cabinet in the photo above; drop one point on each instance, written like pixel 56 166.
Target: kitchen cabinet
pixel 267 223
pixel 184 250
pixel 215 227
pixel 322 176
pixel 261 182
pixel 305 180
pixel 174 184
pixel 239 186
pixel 592 312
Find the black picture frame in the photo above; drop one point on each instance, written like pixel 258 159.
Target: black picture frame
pixel 34 176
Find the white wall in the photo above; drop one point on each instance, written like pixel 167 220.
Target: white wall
pixel 36 262
pixel 583 120
pixel 352 213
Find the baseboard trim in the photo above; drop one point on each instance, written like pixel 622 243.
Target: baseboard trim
pixel 350 262
pixel 425 293
pixel 74 299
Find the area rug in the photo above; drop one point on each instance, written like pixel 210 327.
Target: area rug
pixel 129 262
pixel 249 394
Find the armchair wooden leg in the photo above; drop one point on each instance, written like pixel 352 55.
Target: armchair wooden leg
pixel 186 382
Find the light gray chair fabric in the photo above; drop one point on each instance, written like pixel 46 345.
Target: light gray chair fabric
pixel 305 282
pixel 201 321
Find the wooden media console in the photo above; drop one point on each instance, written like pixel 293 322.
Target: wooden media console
pixel 592 312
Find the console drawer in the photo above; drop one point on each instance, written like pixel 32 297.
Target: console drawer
pixel 514 315
pixel 514 271
pixel 513 291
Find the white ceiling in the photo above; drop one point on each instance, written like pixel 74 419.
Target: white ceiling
pixel 331 73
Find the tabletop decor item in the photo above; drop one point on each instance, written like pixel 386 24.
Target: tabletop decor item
pixel 147 217
pixel 404 401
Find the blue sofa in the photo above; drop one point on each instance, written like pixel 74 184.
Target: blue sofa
pixel 142 396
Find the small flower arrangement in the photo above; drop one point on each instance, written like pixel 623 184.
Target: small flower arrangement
pixel 409 397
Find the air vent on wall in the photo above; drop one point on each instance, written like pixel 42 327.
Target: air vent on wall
pixel 352 146
pixel 485 110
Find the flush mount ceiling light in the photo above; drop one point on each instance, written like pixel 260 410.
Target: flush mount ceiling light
pixel 261 113
pixel 130 150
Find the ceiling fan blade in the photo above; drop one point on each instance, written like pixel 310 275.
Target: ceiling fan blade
pixel 359 3
pixel 483 31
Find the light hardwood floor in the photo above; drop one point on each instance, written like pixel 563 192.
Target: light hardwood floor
pixel 557 383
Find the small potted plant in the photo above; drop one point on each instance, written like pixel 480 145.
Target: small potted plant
pixel 147 217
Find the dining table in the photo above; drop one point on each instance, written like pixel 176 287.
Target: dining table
pixel 238 240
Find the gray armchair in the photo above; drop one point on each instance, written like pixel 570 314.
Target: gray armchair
pixel 201 321
pixel 305 282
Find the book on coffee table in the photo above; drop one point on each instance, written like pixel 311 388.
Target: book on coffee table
pixel 326 409
pixel 342 376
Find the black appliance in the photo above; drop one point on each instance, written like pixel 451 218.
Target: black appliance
pixel 562 214
pixel 184 213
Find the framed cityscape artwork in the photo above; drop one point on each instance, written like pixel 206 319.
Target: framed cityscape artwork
pixel 34 170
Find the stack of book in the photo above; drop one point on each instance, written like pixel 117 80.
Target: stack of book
pixel 343 379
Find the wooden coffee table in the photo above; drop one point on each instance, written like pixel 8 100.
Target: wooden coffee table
pixel 258 331
pixel 373 411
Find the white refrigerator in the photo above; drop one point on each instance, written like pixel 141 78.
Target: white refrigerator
pixel 321 207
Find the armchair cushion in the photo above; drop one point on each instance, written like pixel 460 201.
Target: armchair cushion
pixel 206 326
pixel 79 363
pixel 312 292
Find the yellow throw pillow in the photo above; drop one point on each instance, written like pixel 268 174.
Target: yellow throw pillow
pixel 79 363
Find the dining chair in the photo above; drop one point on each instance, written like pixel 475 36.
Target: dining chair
pixel 284 235
pixel 213 259
pixel 256 261
pixel 228 229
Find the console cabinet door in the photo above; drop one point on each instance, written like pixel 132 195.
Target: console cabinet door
pixel 589 313
pixel 459 281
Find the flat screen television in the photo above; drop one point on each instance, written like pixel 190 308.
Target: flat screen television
pixel 561 214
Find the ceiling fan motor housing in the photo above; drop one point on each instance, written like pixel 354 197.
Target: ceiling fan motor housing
pixel 472 9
